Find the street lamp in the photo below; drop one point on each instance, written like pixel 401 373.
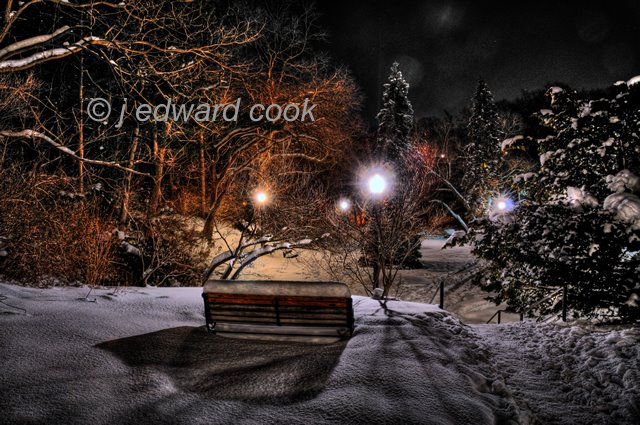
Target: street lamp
pixel 260 197
pixel 376 183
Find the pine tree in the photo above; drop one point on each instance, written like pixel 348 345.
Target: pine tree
pixel 482 153
pixel 580 224
pixel 395 119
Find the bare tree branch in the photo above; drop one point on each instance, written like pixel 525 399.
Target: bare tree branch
pixel 32 134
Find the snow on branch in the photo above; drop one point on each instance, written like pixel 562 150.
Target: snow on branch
pixel 11 65
pixel 625 179
pixel 32 134
pixel 251 256
pixel 16 47
pixel 506 143
pixel 243 256
pixel 626 206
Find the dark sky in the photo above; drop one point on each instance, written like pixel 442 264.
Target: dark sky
pixel 445 46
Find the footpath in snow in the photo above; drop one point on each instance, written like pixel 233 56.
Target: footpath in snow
pixel 564 374
pixel 142 356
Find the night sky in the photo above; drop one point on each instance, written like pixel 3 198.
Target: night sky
pixel 445 46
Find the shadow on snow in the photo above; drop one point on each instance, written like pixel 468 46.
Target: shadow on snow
pixel 260 372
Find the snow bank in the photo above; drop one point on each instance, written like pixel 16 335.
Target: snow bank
pixel 143 356
pixel 569 374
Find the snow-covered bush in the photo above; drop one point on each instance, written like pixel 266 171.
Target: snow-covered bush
pixel 569 228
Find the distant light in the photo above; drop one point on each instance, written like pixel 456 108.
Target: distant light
pixel 344 205
pixel 504 204
pixel 260 197
pixel 442 155
pixel 377 184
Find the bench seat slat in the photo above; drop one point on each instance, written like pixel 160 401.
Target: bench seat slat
pixel 250 301
pixel 240 313
pixel 269 299
pixel 278 330
pixel 242 307
pixel 273 313
pixel 240 320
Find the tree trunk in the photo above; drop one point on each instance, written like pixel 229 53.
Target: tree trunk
pixel 124 212
pixel 203 178
pixel 156 194
pixel 209 221
pixel 81 127
pixel 214 203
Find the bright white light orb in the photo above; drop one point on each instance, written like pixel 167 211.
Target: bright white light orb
pixel 503 204
pixel 260 197
pixel 344 205
pixel 377 184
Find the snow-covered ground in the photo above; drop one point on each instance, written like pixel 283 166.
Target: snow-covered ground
pixel 564 374
pixel 143 356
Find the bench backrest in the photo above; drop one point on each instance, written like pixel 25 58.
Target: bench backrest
pixel 279 307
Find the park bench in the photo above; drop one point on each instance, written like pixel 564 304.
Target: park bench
pixel 299 311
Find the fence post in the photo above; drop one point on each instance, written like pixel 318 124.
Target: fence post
pixel 499 315
pixel 441 294
pixel 564 303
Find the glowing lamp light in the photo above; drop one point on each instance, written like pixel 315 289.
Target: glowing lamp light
pixel 504 204
pixel 377 184
pixel 260 197
pixel 344 205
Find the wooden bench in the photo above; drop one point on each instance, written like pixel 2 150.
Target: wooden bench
pixel 304 311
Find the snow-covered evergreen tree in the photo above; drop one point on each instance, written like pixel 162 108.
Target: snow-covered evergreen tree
pixel 482 153
pixel 579 225
pixel 395 119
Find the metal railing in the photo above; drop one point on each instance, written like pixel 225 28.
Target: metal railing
pixel 534 305
pixel 499 315
pixel 463 275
